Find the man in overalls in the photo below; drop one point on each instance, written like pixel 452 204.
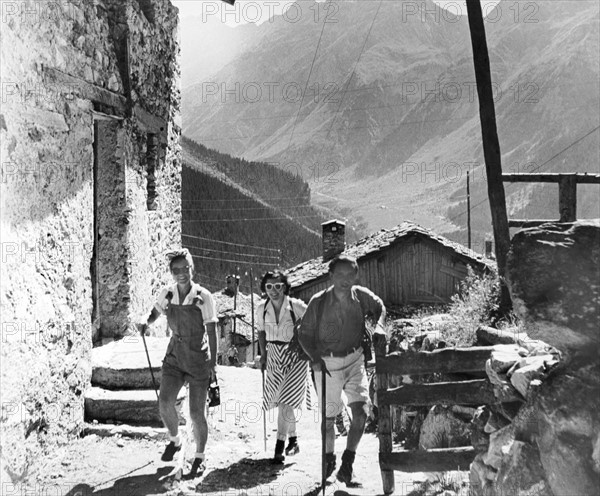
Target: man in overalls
pixel 191 354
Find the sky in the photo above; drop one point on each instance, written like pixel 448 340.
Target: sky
pixel 259 11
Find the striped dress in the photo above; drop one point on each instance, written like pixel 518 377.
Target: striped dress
pixel 287 379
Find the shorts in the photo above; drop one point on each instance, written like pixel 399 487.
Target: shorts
pixel 348 375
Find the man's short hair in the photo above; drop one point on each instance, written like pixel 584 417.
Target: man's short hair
pixel 343 260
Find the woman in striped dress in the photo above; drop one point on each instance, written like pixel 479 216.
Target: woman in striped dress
pixel 287 381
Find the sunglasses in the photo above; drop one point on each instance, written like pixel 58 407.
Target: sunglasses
pixel 277 285
pixel 180 270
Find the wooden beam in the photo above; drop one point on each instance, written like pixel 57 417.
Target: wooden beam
pixel 524 224
pixel 450 271
pixel 72 85
pixel 582 178
pixel 567 198
pixel 434 460
pixel 447 360
pixel 491 145
pixel 476 392
pixel 384 421
pixel 150 123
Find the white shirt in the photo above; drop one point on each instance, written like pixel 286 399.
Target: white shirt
pixel 285 329
pixel 205 301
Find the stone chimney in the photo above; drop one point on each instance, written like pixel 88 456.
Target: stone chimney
pixel 334 238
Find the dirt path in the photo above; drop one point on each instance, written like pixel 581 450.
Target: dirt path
pixel 237 462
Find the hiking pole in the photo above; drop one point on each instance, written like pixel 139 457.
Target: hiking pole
pixel 262 371
pixel 323 425
pixel 143 333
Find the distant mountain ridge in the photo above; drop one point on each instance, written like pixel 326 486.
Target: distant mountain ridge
pixel 388 123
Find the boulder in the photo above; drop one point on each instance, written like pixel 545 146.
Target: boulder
pixel 521 473
pixel 553 276
pixel 481 478
pixel 567 406
pixel 530 369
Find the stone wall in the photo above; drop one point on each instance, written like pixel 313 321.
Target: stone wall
pixel 549 444
pixel 85 86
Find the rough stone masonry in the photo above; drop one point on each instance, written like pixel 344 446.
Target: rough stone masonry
pixel 89 131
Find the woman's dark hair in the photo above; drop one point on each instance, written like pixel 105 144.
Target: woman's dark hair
pixel 275 274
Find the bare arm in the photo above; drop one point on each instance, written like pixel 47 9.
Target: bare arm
pixel 211 330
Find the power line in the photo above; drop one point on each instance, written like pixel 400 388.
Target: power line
pixel 537 169
pixel 393 124
pixel 232 252
pixel 258 218
pixel 228 243
pixel 241 262
pixel 307 80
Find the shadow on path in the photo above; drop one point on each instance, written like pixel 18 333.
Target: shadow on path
pixel 243 474
pixel 135 485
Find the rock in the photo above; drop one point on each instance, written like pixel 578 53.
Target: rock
pixel 442 429
pixel 481 477
pixel 567 407
pixel 521 473
pixel 489 336
pixel 479 439
pixel 495 422
pixel 500 442
pixel 502 360
pixel 552 273
pixel 529 369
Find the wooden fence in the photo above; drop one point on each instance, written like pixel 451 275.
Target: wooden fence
pixel 471 392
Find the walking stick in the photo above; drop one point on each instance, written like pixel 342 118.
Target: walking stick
pixel 265 412
pixel 323 429
pixel 143 333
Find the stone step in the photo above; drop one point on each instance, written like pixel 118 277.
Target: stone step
pixel 123 364
pixel 134 407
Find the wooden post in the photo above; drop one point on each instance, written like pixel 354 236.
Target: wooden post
pixel 491 145
pixel 384 421
pixel 468 211
pixel 567 197
pixel 252 309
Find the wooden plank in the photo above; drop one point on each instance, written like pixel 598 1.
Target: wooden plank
pixel 450 271
pixel 67 84
pixel 552 177
pixel 524 224
pixel 567 198
pixel 434 460
pixel 476 392
pixel 446 360
pixel 384 421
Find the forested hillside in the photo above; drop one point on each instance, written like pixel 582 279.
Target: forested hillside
pixel 238 215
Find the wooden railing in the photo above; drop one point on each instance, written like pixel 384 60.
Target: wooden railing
pixel 567 193
pixel 471 392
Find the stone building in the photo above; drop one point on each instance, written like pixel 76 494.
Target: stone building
pixel 91 173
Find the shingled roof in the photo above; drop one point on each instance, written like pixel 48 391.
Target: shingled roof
pixel 313 269
pixel 224 304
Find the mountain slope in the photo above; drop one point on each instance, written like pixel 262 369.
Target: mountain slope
pixel 389 124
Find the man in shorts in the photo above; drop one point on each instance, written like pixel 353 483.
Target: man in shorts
pixel 331 333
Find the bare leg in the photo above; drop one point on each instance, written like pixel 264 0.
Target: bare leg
pixel 169 389
pixel 357 425
pixel 198 392
pixel 286 422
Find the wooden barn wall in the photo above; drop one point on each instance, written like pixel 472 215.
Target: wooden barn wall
pixel 415 270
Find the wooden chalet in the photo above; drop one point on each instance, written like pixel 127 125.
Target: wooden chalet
pixel 405 265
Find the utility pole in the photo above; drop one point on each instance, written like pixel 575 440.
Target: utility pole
pixel 468 212
pixel 491 145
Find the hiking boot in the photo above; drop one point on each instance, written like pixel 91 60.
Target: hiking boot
pixel 278 458
pixel 331 464
pixel 346 476
pixel 198 468
pixel 345 473
pixel 170 451
pixel 292 447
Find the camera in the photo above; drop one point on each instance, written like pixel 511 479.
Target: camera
pixel 214 395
